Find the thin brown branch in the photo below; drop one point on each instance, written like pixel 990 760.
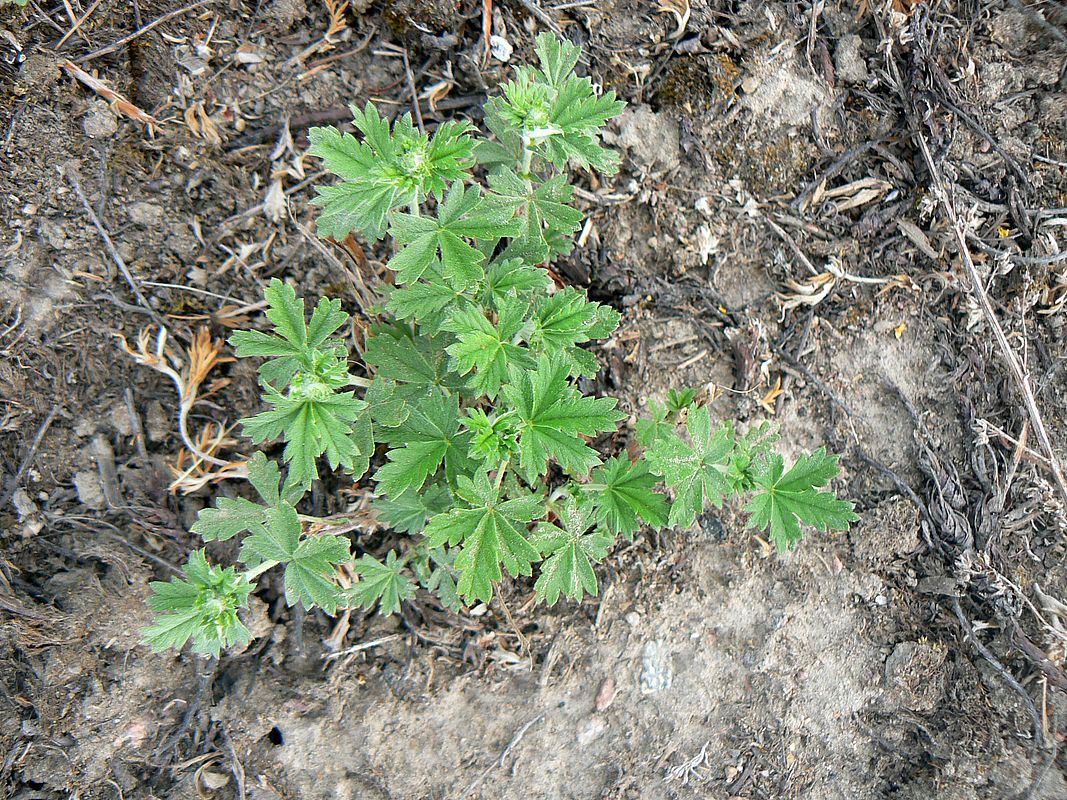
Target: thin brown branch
pixel 77 25
pixel 1018 373
pixel 125 40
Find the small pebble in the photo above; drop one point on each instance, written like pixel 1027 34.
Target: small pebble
pixel 156 423
pixel 24 505
pixel 90 491
pixel 605 696
pixel 100 122
pixel 120 419
pixel 501 48
pixel 591 730
pixel 657 667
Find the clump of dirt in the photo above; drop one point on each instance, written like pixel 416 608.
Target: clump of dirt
pixel 697 83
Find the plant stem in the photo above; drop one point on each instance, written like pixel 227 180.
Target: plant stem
pixel 527 163
pixel 255 572
pixel 500 472
pixel 557 495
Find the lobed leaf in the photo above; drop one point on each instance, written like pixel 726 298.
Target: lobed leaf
pixel 625 497
pixel 203 607
pixel 384 584
pixel 783 501
pixel 553 416
pixel 695 470
pixel 492 531
pixel 570 554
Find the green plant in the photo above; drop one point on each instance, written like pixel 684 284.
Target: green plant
pixel 469 387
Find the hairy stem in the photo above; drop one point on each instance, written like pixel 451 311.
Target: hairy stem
pixel 500 472
pixel 255 572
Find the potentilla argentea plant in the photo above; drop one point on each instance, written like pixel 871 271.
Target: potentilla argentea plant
pixel 472 392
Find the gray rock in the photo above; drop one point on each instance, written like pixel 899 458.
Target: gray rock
pixel 915 673
pixel 90 490
pixel 786 95
pixel 53 233
pixel 144 213
pixel 156 422
pixel 651 138
pixel 590 730
pixel 85 428
pixel 657 667
pixel 24 504
pixel 100 121
pixel 848 60
pixel 287 12
pixel 120 419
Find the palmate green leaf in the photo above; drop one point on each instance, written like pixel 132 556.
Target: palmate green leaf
pixel 384 404
pixel 202 607
pixel 553 416
pixel 442 582
pixel 696 470
pixel 495 437
pixel 750 457
pixel 546 220
pixel 229 517
pixel 580 114
pixel 554 110
pixel 232 516
pixel 491 531
pixel 576 112
pixel 428 301
pixel 783 501
pixel 510 278
pixel 557 56
pixel 408 512
pixel 265 477
pixel 566 319
pixel 384 584
pixel 563 319
pixel 656 426
pixel 438 243
pixel 418 363
pixel 277 540
pixel 363 436
pixel 310 427
pixel 308 560
pixel 571 552
pixel 387 170
pixel 429 436
pixel 308 576
pixel 433 567
pixel 486 349
pixel 679 400
pixel 410 466
pixel 624 497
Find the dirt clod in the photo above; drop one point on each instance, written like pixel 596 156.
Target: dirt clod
pixel 916 671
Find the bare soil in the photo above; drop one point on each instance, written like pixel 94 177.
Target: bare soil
pixel 776 237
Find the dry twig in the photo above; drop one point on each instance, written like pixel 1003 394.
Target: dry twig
pixel 110 247
pixel 28 458
pixel 117 101
pixel 1018 373
pixel 125 40
pixel 77 25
